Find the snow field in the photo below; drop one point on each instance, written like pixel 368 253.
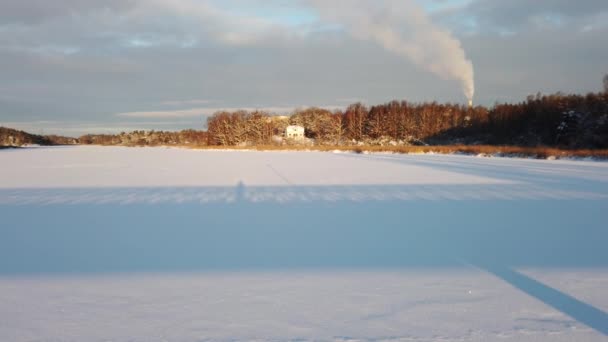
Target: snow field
pixel 159 244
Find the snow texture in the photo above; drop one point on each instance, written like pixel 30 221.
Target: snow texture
pixel 160 244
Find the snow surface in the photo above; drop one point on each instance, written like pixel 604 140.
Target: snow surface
pixel 160 244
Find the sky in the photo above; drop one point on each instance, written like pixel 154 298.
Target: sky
pixel 89 66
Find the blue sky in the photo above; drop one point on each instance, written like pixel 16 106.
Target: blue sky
pixel 75 66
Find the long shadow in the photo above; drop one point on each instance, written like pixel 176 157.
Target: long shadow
pixel 580 311
pixel 139 230
pixel 97 231
pixel 289 194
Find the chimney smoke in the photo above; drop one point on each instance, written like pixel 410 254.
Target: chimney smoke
pixel 403 27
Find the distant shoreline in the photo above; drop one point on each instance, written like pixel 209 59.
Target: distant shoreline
pixel 543 126
pixel 486 151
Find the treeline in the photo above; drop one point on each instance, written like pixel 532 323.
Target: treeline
pixel 14 138
pixel 395 122
pixel 571 121
pixel 148 138
pixel 558 120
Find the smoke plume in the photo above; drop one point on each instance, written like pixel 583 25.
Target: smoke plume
pixel 403 27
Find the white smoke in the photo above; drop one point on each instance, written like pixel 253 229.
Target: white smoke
pixel 403 27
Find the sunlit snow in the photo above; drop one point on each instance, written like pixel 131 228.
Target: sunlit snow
pixel 161 244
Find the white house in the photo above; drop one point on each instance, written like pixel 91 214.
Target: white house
pixel 294 132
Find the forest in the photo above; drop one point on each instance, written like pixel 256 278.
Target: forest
pixel 13 138
pixel 559 120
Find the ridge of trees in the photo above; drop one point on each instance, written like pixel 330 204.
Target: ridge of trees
pixel 557 120
pixel 188 137
pixel 560 120
pixel 14 138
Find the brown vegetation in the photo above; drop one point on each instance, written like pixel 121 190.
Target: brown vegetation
pixel 553 125
pixel 148 138
pixel 14 138
pixel 565 121
pixel 480 150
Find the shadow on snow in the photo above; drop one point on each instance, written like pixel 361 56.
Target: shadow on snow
pixel 494 227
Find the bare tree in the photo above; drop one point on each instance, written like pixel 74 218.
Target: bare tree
pixel 336 128
pixel 606 83
pixel 316 121
pixel 354 120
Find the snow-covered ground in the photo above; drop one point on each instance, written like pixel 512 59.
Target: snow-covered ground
pixel 158 244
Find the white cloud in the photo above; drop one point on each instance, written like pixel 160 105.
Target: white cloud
pixel 186 102
pixel 205 112
pixel 186 113
pixel 84 60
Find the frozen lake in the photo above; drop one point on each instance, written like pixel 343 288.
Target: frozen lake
pixel 158 244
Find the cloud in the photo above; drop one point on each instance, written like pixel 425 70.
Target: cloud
pixel 186 113
pixel 516 15
pixel 206 112
pixel 76 25
pixel 176 103
pixel 84 60
pixel 33 12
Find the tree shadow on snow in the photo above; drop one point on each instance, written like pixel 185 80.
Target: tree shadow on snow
pixel 495 227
